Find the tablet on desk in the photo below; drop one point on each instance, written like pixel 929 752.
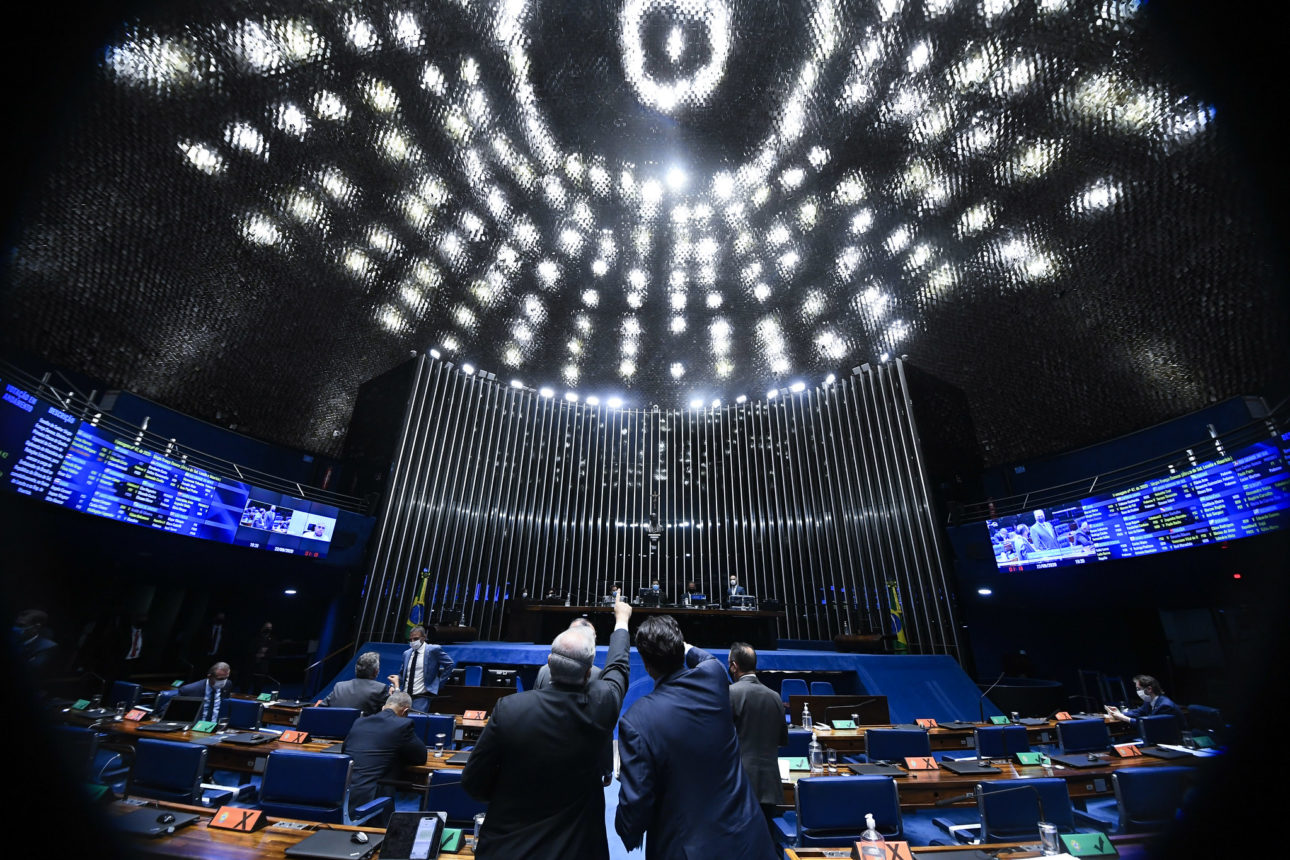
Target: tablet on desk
pixel 414 836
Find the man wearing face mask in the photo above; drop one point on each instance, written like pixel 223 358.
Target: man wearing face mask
pixel 1154 702
pixel 425 667
pixel 733 590
pixel 213 690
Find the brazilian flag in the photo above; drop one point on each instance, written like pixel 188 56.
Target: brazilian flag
pixel 417 614
pixel 897 616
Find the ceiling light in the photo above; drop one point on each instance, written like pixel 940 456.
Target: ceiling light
pixel 571 397
pixel 742 398
pixel 468 369
pixel 615 403
pixel 797 387
pixel 772 394
pixel 546 392
pixel 515 383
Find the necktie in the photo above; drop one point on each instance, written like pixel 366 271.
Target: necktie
pixel 412 673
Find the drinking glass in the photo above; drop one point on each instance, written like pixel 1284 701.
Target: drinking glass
pixel 833 760
pixel 1048 844
pixel 479 825
pixel 438 745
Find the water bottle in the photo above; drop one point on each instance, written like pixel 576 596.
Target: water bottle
pixel 808 722
pixel 871 841
pixel 816 753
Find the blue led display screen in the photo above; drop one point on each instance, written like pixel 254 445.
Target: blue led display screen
pixel 51 455
pixel 1245 493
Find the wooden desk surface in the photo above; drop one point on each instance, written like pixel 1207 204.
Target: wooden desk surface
pixel 200 840
pixel 1129 845
pixel 925 788
pixel 942 739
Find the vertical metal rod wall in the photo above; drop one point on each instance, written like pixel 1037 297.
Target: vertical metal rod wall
pixel 816 500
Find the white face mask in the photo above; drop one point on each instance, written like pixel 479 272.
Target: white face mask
pixel 1144 695
pixel 219 685
pixel 416 645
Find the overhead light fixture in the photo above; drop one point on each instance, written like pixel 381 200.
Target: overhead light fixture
pixel 434 353
pixel 742 398
pixel 696 403
pixel 593 400
pixel 468 369
pixel 546 392
pixel 772 394
pixel 515 383
pixel 797 387
pixel 571 397
pixel 615 403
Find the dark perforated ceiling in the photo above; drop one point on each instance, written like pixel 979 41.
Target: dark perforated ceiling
pixel 255 207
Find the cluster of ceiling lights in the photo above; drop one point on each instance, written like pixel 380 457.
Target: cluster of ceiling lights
pixel 498 242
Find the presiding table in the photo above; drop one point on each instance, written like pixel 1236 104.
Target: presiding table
pixel 706 627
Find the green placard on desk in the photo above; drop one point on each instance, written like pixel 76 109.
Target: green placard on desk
pixel 844 724
pixel 1088 845
pixel 797 763
pixel 178 682
pixel 80 704
pixel 1000 720
pixel 451 841
pixel 1028 757
pixel 264 697
pixel 207 726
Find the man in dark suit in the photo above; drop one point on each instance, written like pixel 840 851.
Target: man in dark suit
pixel 363 692
pixel 380 745
pixel 733 590
pixel 213 690
pixel 759 721
pixel 425 667
pixel 544 674
pixel 1154 702
pixel 681 778
pixel 537 762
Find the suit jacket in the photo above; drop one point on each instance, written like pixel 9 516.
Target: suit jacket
pixel 544 677
pixel 438 666
pixel 198 688
pixel 1161 706
pixel 682 780
pixel 1043 535
pixel 537 763
pixel 380 745
pixel 607 755
pixel 366 694
pixel 759 721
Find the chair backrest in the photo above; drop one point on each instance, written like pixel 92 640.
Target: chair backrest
pixel 167 770
pixel 312 786
pixel 1203 718
pixel 1001 741
pixel 446 794
pixel 799 744
pixel 428 725
pixel 1161 729
pixel 122 693
pixel 792 687
pixel 831 809
pixel 821 688
pixel 327 722
pixel 77 747
pixel 1083 736
pixel 244 713
pixel 473 675
pixel 896 744
pixel 1009 810
pixel 1148 798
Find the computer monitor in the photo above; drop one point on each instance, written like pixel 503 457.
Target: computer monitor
pixel 743 601
pixel 648 596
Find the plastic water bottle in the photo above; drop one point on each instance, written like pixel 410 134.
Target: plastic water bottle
pixel 871 841
pixel 808 722
pixel 816 752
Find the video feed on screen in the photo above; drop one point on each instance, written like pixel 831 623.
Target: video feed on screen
pixel 270 517
pixel 1053 535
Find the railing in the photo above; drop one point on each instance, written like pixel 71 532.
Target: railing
pixel 1214 447
pixel 83 407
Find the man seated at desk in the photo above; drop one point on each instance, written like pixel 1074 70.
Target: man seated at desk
pixel 1154 702
pixel 380 746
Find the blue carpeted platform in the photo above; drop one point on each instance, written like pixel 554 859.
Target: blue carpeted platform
pixel 915 686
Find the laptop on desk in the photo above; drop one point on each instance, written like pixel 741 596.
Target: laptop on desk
pixel 1163 752
pixel 178 715
pixel 958 725
pixel 1078 760
pixel 335 845
pixel 967 767
pixel 151 821
pixel 878 769
pixel 248 738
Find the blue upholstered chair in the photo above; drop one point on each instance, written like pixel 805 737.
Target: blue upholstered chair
pixel 315 787
pixel 172 771
pixel 1147 799
pixel 1001 741
pixel 1162 729
pixel 1076 736
pixel 473 676
pixel 245 714
pixel 830 810
pixel 327 722
pixel 792 687
pixel 445 794
pixel 124 694
pixel 1009 816
pixel 798 746
pixel 429 725
pixel 821 688
pixel 894 745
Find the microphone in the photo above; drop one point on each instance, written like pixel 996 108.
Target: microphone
pixel 981 701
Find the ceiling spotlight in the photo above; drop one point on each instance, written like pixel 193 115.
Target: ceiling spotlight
pixel 772 394
pixel 797 387
pixel 830 379
pixel 434 353
pixel 742 398
pixel 884 357
pixel 546 392
pixel 676 178
pixel 289 592
pixel 468 369
pixel 515 383
pixel 984 591
pixel 615 403
pixel 571 397
pixel 716 403
pixel 696 403
pixel 593 400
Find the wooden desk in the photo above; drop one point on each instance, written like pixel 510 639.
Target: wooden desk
pixel 1130 846
pixel 200 840
pixel 851 741
pixel 925 788
pixel 715 628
